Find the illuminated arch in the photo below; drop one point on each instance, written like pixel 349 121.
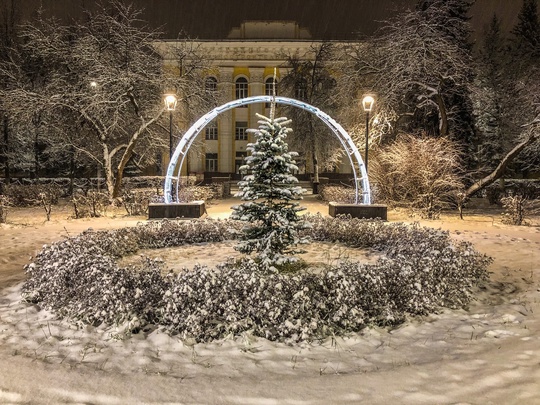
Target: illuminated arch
pixel 357 164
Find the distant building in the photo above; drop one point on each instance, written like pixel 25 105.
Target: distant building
pixel 243 66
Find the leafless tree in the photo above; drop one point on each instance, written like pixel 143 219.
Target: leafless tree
pixel 108 76
pixel 9 17
pixel 417 70
pixel 310 78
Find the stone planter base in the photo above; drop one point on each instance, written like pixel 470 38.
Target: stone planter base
pixel 359 210
pixel 195 209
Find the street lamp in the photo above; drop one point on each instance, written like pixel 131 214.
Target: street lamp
pixel 367 103
pixel 170 104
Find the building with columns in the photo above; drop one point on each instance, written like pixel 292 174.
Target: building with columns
pixel 244 65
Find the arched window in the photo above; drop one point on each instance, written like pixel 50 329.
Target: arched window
pixel 300 89
pixel 241 86
pixel 210 84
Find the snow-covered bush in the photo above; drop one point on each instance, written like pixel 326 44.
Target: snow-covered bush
pixel 196 193
pixel 517 208
pixel 421 173
pixel 421 270
pixel 93 203
pixel 336 193
pixel 25 195
pixel 5 203
pixel 136 201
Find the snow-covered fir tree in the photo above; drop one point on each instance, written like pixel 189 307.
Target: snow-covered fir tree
pixel 270 190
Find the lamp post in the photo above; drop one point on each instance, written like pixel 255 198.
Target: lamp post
pixel 367 103
pixel 170 104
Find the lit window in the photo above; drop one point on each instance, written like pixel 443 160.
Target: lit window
pixel 241 86
pixel 211 162
pixel 210 84
pixel 300 89
pixel 240 131
pixel 211 131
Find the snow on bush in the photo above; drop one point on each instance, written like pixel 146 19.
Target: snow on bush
pixel 337 193
pixel 5 204
pixel 421 271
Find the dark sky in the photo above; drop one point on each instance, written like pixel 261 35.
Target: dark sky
pixel 326 19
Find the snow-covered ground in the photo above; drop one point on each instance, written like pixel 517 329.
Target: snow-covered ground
pixel 487 354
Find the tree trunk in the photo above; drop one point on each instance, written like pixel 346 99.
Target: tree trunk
pixel 118 182
pixel 501 168
pixel 443 116
pixel 128 153
pixel 36 155
pixel 5 150
pixel 107 167
pixel 71 169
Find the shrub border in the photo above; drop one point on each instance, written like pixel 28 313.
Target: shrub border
pixel 421 271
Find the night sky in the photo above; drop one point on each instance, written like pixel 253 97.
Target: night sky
pixel 326 19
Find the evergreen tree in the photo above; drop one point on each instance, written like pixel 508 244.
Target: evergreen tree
pixel 523 73
pixel 492 55
pixel 270 190
pixel 527 30
pixel 487 97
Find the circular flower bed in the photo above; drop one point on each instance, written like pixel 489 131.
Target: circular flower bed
pixel 421 270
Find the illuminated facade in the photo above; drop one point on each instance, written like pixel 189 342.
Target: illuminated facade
pixel 243 66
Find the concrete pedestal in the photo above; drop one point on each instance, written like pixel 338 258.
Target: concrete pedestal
pixel 195 209
pixel 359 210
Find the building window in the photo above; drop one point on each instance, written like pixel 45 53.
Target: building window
pixel 211 131
pixel 269 88
pixel 300 89
pixel 239 161
pixel 210 84
pixel 241 86
pixel 211 163
pixel 240 131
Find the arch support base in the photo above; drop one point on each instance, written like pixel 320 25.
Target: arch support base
pixel 195 209
pixel 367 211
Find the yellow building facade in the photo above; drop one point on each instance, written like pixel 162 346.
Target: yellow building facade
pixel 242 66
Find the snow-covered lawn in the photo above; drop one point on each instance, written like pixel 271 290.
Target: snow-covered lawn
pixel 488 353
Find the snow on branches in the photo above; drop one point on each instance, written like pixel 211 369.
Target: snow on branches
pixel 270 189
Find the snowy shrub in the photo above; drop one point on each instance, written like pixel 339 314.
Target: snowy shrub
pixel 136 201
pixel 151 182
pixel 25 195
pixel 334 193
pixel 516 208
pixel 197 193
pixel 421 270
pixel 5 203
pixel 422 174
pixel 90 204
